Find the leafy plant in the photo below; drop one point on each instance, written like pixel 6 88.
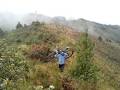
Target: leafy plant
pixel 19 25
pixel 13 67
pixel 85 69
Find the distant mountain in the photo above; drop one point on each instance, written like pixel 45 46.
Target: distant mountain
pixel 107 32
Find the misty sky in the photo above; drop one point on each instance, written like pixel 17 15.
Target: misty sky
pixel 102 11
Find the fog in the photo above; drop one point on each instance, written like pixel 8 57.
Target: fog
pixel 8 21
pixel 102 11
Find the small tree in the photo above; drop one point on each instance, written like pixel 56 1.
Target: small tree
pixel 100 38
pixel 1 32
pixel 36 23
pixel 19 25
pixel 108 40
pixel 25 25
pixel 84 68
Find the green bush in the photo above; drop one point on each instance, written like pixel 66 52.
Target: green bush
pixel 84 68
pixel 19 25
pixel 2 33
pixel 12 69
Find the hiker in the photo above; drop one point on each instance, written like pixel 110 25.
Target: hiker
pixel 61 57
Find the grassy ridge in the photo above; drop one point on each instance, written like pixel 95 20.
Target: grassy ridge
pixel 19 41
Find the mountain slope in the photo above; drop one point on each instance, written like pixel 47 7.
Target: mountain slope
pixel 23 39
pixel 107 32
pixel 110 32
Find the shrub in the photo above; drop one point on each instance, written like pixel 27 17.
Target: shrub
pixel 100 38
pixel 85 69
pixel 39 52
pixel 12 69
pixel 19 25
pixel 2 33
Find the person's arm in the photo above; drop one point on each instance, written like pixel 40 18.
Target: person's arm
pixel 69 55
pixel 55 55
pixel 66 55
pixel 51 55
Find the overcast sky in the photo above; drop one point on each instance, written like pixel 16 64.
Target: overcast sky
pixel 102 11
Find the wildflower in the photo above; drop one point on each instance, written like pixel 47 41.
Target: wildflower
pixel 0 63
pixel 12 64
pixel 2 85
pixel 6 81
pixel 39 87
pixel 51 87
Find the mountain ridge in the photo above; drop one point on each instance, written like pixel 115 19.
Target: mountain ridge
pixel 107 32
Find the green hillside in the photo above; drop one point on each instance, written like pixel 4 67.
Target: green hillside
pixel 23 68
